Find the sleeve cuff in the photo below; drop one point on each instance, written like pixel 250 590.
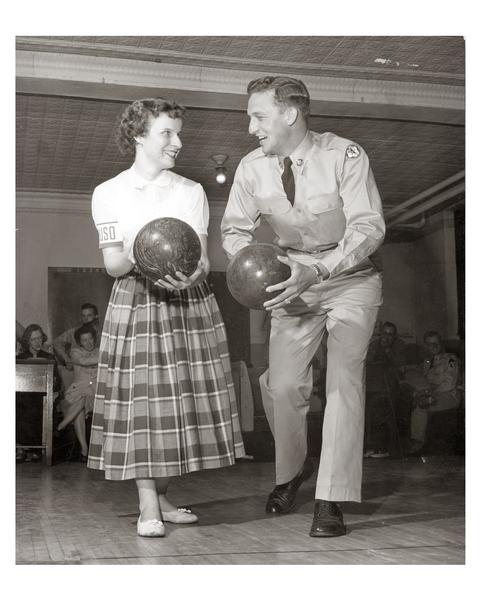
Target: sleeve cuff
pixel 321 271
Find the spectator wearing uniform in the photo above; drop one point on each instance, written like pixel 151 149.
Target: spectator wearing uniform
pixel 165 402
pixel 318 194
pixel 433 386
pixel 64 343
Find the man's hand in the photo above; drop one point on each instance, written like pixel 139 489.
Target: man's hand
pixel 301 278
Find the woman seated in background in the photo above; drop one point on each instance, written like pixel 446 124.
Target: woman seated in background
pixel 33 340
pixel 29 411
pixel 78 400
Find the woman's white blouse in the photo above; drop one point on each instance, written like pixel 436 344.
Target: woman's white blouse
pixel 122 205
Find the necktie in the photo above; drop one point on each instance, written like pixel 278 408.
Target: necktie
pixel 288 180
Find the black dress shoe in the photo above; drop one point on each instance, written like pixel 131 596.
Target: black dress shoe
pixel 327 520
pixel 282 499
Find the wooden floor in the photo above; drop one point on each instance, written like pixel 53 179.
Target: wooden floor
pixel 413 513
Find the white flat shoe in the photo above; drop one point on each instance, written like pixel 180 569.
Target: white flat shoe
pixel 153 528
pixel 181 515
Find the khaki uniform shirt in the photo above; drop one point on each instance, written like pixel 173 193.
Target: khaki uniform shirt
pixel 336 220
pixel 441 372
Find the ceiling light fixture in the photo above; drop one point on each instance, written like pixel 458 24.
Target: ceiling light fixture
pixel 220 160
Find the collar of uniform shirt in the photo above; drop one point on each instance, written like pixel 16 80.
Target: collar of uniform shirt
pixel 140 182
pixel 300 155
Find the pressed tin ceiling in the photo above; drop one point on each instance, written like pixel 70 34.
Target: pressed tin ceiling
pixel 65 141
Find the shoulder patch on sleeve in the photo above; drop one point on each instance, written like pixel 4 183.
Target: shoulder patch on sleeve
pixel 452 361
pixel 352 151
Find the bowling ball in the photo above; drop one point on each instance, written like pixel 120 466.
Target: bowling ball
pixel 253 269
pixel 166 245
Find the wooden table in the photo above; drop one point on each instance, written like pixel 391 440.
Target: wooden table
pixel 37 376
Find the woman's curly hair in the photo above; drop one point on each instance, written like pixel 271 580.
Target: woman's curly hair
pixel 25 340
pixel 85 329
pixel 135 120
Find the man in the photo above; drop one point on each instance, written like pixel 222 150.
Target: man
pixel 320 198
pixel 433 385
pixel 65 341
pixel 385 359
pixel 388 349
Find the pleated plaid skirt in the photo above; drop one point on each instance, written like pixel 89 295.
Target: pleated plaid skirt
pixel 165 402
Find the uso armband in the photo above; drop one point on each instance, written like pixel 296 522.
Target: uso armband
pixel 109 234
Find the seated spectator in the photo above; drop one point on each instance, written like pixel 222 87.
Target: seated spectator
pixel 79 398
pixel 29 411
pixel 432 386
pixel 19 329
pixel 385 360
pixel 388 349
pixel 64 343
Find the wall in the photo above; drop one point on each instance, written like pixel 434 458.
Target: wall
pixel 398 287
pixel 48 239
pixel 435 278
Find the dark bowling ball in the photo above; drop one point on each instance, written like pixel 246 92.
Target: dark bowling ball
pixel 166 245
pixel 253 269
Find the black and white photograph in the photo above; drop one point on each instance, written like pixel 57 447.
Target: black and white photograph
pixel 240 300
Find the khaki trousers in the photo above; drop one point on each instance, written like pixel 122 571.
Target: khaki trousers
pixel 347 308
pixel 419 417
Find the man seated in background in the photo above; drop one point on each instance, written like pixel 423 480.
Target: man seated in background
pixel 385 359
pixel 66 341
pixel 432 386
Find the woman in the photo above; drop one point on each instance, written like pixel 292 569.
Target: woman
pixel 165 402
pixel 29 410
pixel 32 340
pixel 78 400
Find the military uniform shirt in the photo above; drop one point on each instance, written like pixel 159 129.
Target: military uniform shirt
pixel 441 372
pixel 336 220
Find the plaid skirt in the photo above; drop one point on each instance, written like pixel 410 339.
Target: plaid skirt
pixel 165 402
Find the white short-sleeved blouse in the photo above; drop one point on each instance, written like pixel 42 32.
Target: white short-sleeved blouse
pixel 122 205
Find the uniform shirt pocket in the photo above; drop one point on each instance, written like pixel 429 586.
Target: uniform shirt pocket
pixel 320 203
pixel 325 218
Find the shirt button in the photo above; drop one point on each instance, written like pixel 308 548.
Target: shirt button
pixel 299 162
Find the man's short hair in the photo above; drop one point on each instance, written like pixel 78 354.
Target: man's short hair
pixel 90 305
pixel 391 325
pixel 432 333
pixel 82 331
pixel 288 91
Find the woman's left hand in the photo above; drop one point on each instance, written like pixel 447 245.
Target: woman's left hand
pixel 183 282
